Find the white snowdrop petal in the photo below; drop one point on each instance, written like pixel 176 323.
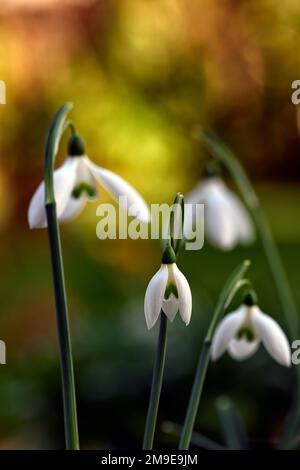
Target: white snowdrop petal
pixel 170 307
pixel 184 294
pixel 64 178
pixel 226 331
pixel 117 187
pixel 189 223
pixel 199 195
pixel 243 222
pixel 272 336
pixel 227 221
pixel 200 192
pixel 73 208
pixel 36 210
pixel 220 223
pixel 154 296
pixel 241 349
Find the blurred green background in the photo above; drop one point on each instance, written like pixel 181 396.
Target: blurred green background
pixel 141 74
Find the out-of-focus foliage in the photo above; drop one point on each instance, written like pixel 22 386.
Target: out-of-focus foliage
pixel 141 74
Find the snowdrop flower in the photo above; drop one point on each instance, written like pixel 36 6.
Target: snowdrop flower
pixel 75 182
pixel 168 291
pixel 241 332
pixel 227 222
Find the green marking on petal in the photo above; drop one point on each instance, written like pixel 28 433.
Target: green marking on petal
pixel 247 333
pixel 171 289
pixel 81 188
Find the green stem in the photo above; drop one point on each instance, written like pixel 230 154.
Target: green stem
pixel 231 425
pixel 188 426
pixel 176 222
pixel 291 425
pixel 228 159
pixel 69 124
pixel 199 440
pixel 67 373
pixel 234 283
pixel 156 385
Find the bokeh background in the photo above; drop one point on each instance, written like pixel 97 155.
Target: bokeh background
pixel 141 74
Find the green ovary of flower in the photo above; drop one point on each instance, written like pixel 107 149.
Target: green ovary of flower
pixel 81 188
pixel 171 289
pixel 247 333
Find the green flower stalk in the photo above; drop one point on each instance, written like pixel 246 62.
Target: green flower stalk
pixel 66 362
pixel 167 293
pixel 198 440
pixel 234 283
pixel 177 222
pixel 231 426
pixel 156 385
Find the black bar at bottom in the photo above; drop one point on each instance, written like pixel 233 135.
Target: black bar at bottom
pixel 184 459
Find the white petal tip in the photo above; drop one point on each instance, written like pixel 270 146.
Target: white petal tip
pixel 285 362
pixel 150 322
pixel 224 246
pixel 214 356
pixel 187 320
pixel 273 337
pixel 33 225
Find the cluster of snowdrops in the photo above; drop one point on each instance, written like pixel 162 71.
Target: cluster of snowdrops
pixel 227 223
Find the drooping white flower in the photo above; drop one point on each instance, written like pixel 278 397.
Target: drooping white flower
pixel 75 182
pixel 168 291
pixel 241 332
pixel 226 221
